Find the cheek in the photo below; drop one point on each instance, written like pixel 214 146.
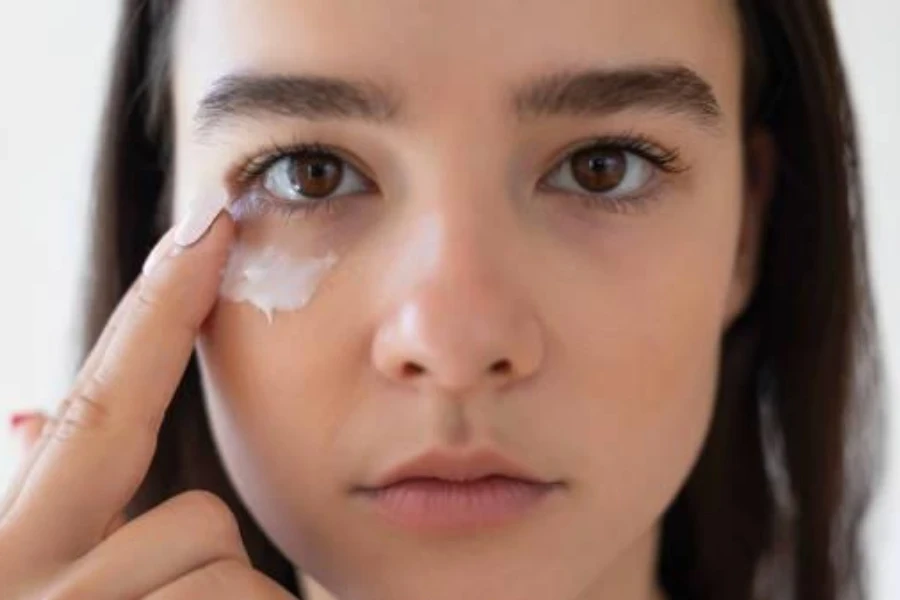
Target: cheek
pixel 646 388
pixel 281 379
pixel 278 358
pixel 278 397
pixel 638 349
pixel 280 406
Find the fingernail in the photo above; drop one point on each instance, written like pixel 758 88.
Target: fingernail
pixel 199 219
pixel 18 419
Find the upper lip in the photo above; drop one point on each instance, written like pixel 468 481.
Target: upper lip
pixel 454 466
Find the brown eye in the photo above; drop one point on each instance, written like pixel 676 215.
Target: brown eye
pixel 307 177
pixel 599 169
pixel 315 176
pixel 603 171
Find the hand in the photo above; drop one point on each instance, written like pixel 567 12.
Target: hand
pixel 62 530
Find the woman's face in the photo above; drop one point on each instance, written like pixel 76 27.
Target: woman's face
pixel 541 232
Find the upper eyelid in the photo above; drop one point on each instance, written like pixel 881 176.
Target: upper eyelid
pixel 626 141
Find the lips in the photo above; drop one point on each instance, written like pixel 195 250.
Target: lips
pixel 441 464
pixel 443 492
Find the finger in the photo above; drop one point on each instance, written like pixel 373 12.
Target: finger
pixel 37 440
pixel 179 536
pixel 32 441
pixel 223 580
pixel 28 431
pixel 118 522
pixel 89 366
pixel 112 326
pixel 27 435
pixel 100 450
pixel 124 306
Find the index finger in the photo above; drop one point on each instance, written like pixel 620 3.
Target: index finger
pixel 105 440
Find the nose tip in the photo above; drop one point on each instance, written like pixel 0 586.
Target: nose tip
pixel 429 341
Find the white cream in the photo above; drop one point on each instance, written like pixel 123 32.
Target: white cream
pixel 271 280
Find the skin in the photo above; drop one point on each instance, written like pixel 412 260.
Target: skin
pixel 61 537
pixel 610 321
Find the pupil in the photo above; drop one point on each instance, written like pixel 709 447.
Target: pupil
pixel 599 170
pixel 599 163
pixel 316 176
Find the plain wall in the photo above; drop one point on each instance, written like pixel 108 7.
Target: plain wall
pixel 53 55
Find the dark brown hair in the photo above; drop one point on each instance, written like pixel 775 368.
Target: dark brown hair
pixel 786 472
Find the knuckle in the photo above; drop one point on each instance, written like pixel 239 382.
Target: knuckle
pixel 153 302
pixel 88 410
pixel 146 299
pixel 210 516
pixel 83 411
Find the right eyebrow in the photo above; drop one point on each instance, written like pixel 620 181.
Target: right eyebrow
pixel 586 92
pixel 308 97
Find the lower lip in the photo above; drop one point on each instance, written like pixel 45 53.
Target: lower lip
pixel 435 504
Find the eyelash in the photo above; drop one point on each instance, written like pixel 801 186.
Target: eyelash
pixel 256 166
pixel 662 159
pixel 667 160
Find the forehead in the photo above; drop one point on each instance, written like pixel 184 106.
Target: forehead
pixel 450 51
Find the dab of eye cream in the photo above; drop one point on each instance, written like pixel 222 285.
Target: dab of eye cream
pixel 271 280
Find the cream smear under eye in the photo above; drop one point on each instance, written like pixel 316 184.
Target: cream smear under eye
pixel 272 280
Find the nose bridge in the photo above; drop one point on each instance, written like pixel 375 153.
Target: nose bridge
pixel 468 279
pixel 461 320
pixel 468 247
pixel 463 202
pixel 473 224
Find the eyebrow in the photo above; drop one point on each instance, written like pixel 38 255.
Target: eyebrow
pixel 578 93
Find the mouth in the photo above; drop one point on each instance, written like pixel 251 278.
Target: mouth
pixel 440 491
pixel 455 467
pixel 438 505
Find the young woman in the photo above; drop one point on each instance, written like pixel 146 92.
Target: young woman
pixel 498 299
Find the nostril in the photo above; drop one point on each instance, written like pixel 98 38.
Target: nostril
pixel 501 367
pixel 412 369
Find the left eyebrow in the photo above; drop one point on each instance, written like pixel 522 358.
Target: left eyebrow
pixel 675 89
pixel 589 93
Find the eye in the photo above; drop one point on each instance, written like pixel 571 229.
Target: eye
pixel 608 171
pixel 613 172
pixel 310 177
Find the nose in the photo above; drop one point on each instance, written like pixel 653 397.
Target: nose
pixel 462 325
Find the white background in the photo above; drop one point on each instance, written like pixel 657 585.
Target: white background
pixel 53 57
